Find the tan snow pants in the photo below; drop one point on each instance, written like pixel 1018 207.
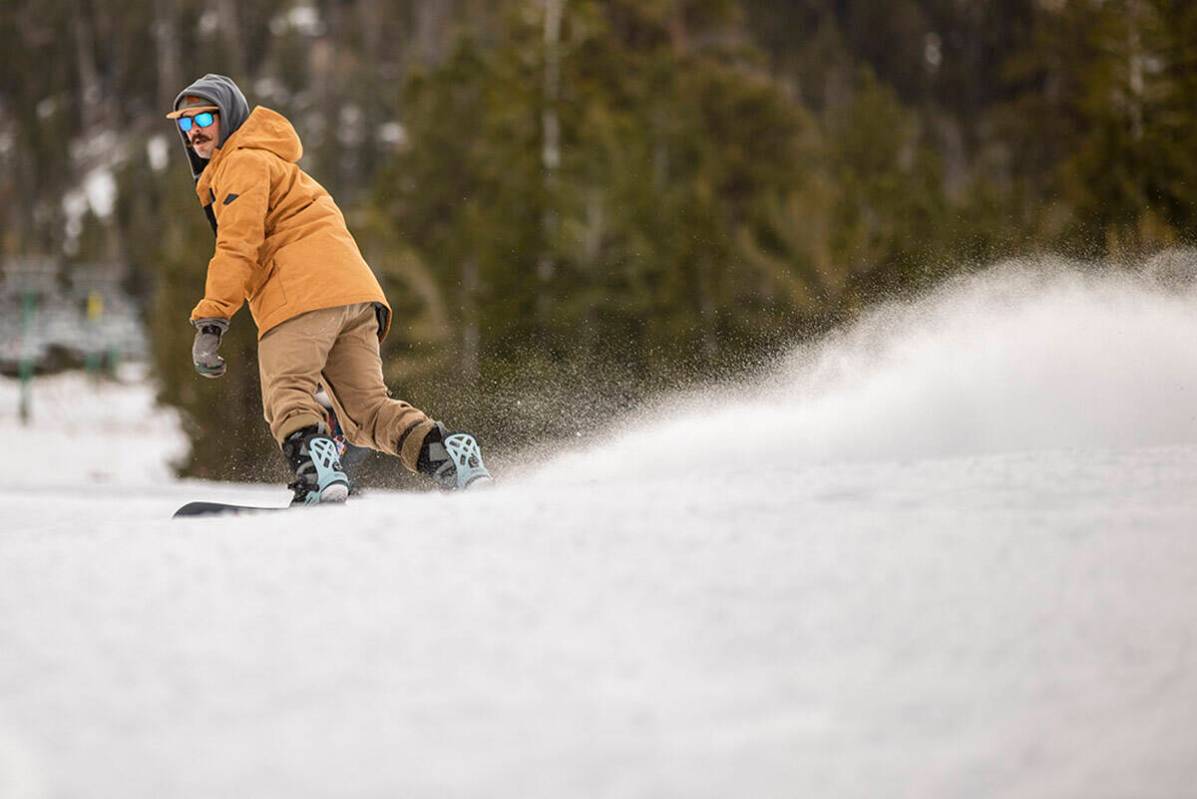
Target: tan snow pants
pixel 336 348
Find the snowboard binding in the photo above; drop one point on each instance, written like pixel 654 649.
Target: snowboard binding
pixel 315 458
pixel 453 460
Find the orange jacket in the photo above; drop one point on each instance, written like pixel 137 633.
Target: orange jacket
pixel 281 242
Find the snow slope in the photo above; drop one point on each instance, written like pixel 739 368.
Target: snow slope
pixel 948 552
pixel 89 432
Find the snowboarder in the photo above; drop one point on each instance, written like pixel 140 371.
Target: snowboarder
pixel 282 245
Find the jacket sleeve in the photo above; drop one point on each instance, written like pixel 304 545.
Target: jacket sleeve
pixel 240 203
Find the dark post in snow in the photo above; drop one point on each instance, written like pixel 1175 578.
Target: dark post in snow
pixel 28 309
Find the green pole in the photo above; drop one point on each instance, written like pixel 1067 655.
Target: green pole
pixel 28 310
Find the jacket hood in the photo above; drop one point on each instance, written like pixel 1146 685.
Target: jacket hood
pixel 265 129
pixel 223 93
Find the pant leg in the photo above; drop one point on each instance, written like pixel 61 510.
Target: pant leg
pixel 291 358
pixel 368 415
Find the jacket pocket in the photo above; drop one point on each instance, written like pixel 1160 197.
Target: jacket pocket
pixel 260 278
pixel 268 295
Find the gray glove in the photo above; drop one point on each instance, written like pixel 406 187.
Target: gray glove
pixel 207 341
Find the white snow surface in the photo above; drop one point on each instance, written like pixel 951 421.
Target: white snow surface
pixel 949 551
pixel 84 433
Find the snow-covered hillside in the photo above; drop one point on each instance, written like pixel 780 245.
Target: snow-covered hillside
pixel 951 551
pixel 87 434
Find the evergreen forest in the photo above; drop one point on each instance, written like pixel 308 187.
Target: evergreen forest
pixel 575 206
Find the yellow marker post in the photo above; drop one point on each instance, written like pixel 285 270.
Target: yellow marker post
pixel 95 310
pixel 95 306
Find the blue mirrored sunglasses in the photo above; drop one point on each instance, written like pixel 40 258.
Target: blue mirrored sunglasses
pixel 203 120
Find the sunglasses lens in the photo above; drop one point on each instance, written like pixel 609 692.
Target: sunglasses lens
pixel 203 120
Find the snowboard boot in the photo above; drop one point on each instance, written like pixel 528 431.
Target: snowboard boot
pixel 452 460
pixel 313 456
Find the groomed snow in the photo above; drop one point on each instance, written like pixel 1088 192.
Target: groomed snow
pixel 949 552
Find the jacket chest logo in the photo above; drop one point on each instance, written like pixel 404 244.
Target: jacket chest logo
pixel 230 198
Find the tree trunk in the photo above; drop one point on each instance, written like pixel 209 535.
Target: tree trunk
pixel 546 267
pixel 432 21
pixel 230 33
pixel 166 42
pixel 85 61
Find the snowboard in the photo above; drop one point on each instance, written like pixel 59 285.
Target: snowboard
pixel 222 509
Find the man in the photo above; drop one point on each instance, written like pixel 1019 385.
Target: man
pixel 283 246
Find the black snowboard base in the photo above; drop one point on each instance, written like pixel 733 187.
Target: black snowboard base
pixel 222 509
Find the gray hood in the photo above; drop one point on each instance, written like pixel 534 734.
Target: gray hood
pixel 234 110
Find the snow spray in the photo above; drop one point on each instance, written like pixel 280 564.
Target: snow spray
pixel 1026 355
